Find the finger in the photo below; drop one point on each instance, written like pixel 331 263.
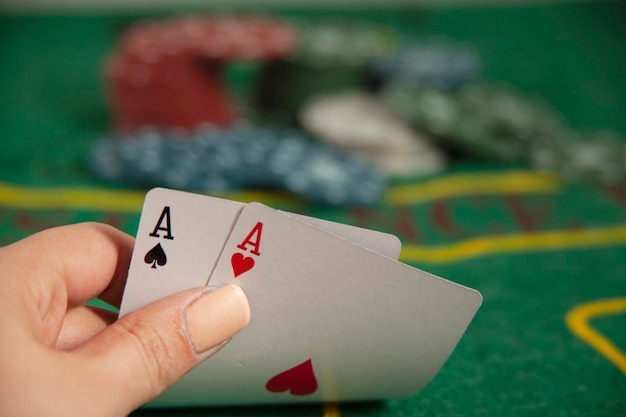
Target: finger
pixel 81 324
pixel 146 351
pixel 89 259
pixel 60 267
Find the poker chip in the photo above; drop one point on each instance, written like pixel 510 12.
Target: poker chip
pixel 499 124
pixel 489 122
pixel 214 160
pixel 598 158
pixel 168 73
pixel 363 124
pixel 347 43
pixel 330 56
pixel 436 64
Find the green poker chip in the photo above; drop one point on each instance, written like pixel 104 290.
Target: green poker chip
pixel 330 56
pixel 342 43
pixel 598 158
pixel 499 124
pixel 284 86
pixel 489 122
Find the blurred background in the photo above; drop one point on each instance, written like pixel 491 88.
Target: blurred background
pixel 488 136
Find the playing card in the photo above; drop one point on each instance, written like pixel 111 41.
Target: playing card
pixel 330 320
pixel 383 243
pixel 181 235
pixel 179 240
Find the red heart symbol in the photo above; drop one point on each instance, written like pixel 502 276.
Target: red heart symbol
pixel 299 380
pixel 241 263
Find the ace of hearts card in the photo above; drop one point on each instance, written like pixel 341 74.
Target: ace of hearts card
pixel 332 319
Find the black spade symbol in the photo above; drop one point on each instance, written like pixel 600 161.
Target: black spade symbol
pixel 156 256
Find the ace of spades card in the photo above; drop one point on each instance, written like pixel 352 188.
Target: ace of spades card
pixel 330 320
pixel 179 239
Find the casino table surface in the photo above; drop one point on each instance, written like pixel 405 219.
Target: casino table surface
pixel 548 257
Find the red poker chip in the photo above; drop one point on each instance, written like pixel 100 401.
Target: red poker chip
pixel 185 103
pixel 221 39
pixel 189 113
pixel 166 72
pixel 165 112
pixel 169 73
pixel 143 82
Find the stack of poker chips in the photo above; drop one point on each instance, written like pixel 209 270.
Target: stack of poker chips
pixel 436 64
pixel 491 123
pixel 168 74
pixel 369 127
pixel 598 158
pixel 364 125
pixel 215 160
pixel 434 87
pixel 497 123
pixel 330 56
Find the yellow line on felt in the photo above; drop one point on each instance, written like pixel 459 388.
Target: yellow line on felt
pixel 515 243
pixel 577 320
pixel 70 197
pixel 76 198
pixel 331 410
pixel 91 198
pixel 480 183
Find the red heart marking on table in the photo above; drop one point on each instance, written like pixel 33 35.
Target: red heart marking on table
pixel 299 380
pixel 241 263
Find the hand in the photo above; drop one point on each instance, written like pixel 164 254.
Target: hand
pixel 59 357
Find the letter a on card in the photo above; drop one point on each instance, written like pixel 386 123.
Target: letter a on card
pixel 253 239
pixel 165 217
pixel 242 263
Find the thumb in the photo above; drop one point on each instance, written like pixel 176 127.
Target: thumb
pixel 148 350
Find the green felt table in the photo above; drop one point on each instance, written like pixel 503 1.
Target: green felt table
pixel 549 258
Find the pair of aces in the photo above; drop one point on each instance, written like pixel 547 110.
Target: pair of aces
pixel 334 315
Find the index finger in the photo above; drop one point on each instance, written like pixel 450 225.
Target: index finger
pixel 88 260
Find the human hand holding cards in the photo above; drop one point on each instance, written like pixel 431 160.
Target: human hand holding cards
pixel 334 315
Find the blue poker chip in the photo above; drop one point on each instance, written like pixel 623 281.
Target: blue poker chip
pixel 216 160
pixel 241 156
pixel 441 65
pixel 324 174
